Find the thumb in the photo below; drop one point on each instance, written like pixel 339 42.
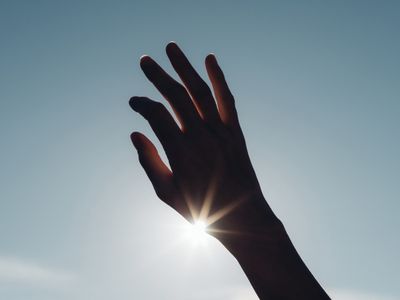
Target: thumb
pixel 159 174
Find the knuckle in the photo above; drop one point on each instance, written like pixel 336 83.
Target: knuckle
pixel 161 194
pixel 157 109
pixel 177 89
pixel 201 91
pixel 229 97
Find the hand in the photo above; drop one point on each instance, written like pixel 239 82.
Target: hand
pixel 211 177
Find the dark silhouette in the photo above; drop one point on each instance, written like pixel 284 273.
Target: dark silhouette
pixel 211 176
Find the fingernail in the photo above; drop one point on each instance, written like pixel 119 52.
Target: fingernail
pixel 172 44
pixel 172 47
pixel 133 102
pixel 135 139
pixel 145 60
pixel 143 56
pixel 212 57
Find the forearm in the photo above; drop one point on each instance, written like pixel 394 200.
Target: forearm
pixel 270 261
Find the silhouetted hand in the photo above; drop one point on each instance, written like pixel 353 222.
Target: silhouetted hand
pixel 211 177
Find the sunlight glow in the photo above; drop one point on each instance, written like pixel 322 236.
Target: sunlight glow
pixel 199 227
pixel 197 233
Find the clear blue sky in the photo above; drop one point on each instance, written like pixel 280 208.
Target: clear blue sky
pixel 317 85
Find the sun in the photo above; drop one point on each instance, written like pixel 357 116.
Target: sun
pixel 199 228
pixel 196 233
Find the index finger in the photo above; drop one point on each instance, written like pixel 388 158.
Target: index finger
pixel 196 86
pixel 173 91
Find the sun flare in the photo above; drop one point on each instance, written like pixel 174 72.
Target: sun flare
pixel 197 232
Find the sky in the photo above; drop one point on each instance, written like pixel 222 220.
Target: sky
pixel 317 87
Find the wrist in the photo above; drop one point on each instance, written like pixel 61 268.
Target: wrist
pixel 265 236
pixel 252 223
